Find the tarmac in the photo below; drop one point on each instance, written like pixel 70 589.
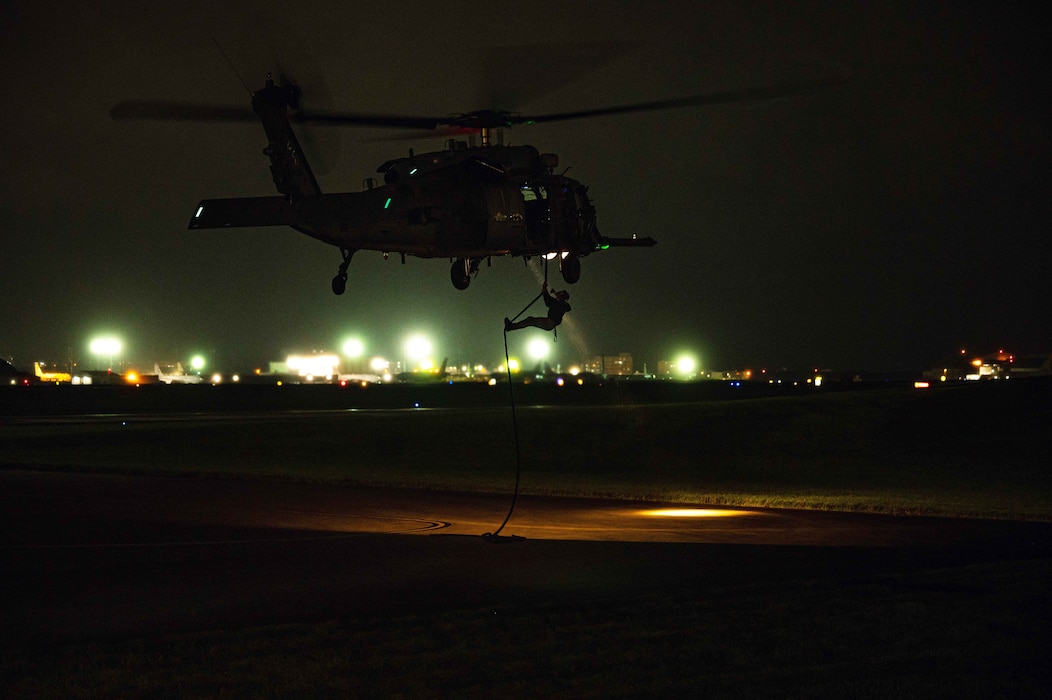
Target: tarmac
pixel 102 557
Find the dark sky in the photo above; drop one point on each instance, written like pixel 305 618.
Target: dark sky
pixel 877 226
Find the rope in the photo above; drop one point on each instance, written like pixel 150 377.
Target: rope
pixel 515 424
pixel 517 318
pixel 495 535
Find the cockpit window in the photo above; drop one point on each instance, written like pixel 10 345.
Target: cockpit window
pixel 533 193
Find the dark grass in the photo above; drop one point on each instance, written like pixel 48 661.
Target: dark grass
pixel 972 451
pixel 944 633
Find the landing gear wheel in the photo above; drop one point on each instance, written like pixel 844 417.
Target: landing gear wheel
pixel 339 284
pixel 459 274
pixel 571 268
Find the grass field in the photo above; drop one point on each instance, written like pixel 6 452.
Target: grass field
pixel 976 451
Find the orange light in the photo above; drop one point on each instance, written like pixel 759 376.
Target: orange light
pixel 696 513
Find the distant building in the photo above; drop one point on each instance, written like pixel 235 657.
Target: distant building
pixel 681 368
pixel 610 365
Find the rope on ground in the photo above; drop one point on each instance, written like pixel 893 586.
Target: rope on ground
pixel 495 535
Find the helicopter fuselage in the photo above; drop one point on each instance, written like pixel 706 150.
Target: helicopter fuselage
pixel 468 209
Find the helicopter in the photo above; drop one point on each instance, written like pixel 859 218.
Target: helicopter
pixel 467 203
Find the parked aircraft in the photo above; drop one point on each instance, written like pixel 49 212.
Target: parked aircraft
pixel 52 377
pixel 434 376
pixel 178 377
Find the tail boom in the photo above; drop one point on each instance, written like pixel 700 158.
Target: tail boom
pixel 242 212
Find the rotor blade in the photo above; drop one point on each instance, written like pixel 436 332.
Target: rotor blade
pixel 712 98
pixel 156 109
pixel 196 111
pixel 436 133
pixel 495 119
pixel 359 119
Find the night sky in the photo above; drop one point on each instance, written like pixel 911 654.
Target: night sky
pixel 879 226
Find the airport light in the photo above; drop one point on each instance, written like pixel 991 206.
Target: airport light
pixel 197 363
pixel 686 365
pixel 382 367
pixel 105 346
pixel 353 348
pixel 417 349
pixel 513 366
pixel 538 348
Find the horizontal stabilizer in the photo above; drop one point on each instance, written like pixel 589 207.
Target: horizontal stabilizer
pixel 241 211
pixel 632 242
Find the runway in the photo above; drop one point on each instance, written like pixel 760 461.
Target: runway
pixel 94 556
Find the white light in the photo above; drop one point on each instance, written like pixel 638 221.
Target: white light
pixel 353 347
pixel 199 210
pixel 538 348
pixel 417 347
pixel 311 366
pixel 686 364
pixel 105 346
